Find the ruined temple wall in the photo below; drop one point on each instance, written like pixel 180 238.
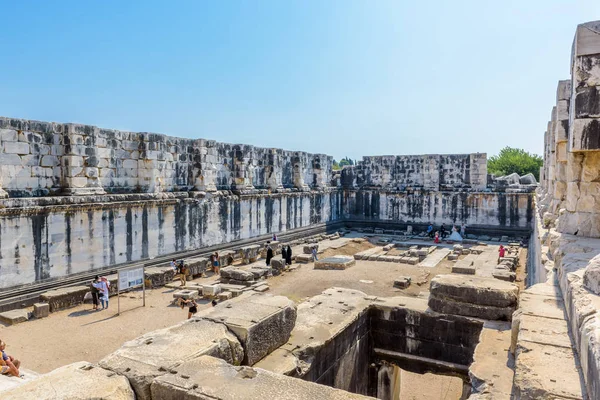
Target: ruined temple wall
pixel 503 210
pixel 41 158
pixel 571 185
pixel 51 241
pixel 431 171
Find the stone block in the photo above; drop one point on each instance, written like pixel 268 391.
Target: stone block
pixel 304 258
pixel 156 353
pixel 261 322
pixel 187 294
pixel 223 296
pixel 211 290
pixel 504 275
pixel 309 248
pixel 62 298
pixel 41 310
pixel 210 378
pixel 485 298
pixel 452 257
pixel 14 316
pixel 403 282
pixel 261 288
pixel 159 276
pixel 250 254
pixel 413 260
pixel 336 262
pixel 236 274
pixel 16 148
pixel 463 269
pixel 78 381
pixel 49 161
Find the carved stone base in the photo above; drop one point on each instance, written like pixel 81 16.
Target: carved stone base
pixel 3 194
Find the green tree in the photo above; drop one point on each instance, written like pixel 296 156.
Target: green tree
pixel 346 161
pixel 335 166
pixel 511 160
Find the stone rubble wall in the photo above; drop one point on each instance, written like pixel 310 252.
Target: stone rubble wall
pixel 47 158
pixel 570 181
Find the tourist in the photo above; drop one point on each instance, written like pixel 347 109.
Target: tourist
pixel 463 230
pixel 430 231
pixel 103 287
pixel 95 292
pixel 8 364
pixel 443 231
pixel 214 302
pixel 269 253
pixel 191 303
pixel 314 254
pixel 288 255
pixel 174 265
pixel 501 253
pixel 274 237
pixel 182 272
pixel 216 263
pixel 284 254
pixel 437 237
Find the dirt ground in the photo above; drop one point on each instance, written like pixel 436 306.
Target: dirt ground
pixel 80 334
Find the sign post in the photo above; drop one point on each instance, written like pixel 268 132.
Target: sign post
pixel 129 278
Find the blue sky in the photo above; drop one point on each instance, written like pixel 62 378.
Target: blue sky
pixel 345 78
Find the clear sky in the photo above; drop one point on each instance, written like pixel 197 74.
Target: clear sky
pixel 345 78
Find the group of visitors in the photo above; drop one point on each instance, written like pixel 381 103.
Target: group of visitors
pixel 440 235
pixel 100 288
pixel 8 364
pixel 286 254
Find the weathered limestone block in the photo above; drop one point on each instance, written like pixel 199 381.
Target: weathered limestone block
pixel 211 378
pixel 14 316
pixel 197 266
pixel 261 322
pixel 250 254
pixel 159 276
pixel 160 352
pixel 304 258
pixel 237 274
pixel 402 283
pixel 78 381
pixel 591 277
pixel 335 262
pixel 41 310
pixel 485 298
pixel 62 298
pixel 309 248
pixel 211 291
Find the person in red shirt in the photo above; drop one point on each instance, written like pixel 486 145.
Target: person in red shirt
pixel 501 252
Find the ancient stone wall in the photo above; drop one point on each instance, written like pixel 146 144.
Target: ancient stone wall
pixel 41 158
pixel 83 198
pixel 565 242
pixel 500 210
pixel 571 173
pixel 52 237
pixel 430 172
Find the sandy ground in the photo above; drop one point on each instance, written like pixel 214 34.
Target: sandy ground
pixel 79 333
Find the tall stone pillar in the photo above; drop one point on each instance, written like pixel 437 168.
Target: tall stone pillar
pixel 478 171
pixel 242 167
pixel 582 208
pixel 299 164
pixel 79 163
pixel 273 169
pixel 318 181
pixel 431 172
pixel 205 169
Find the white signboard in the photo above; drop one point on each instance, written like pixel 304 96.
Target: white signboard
pixel 129 278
